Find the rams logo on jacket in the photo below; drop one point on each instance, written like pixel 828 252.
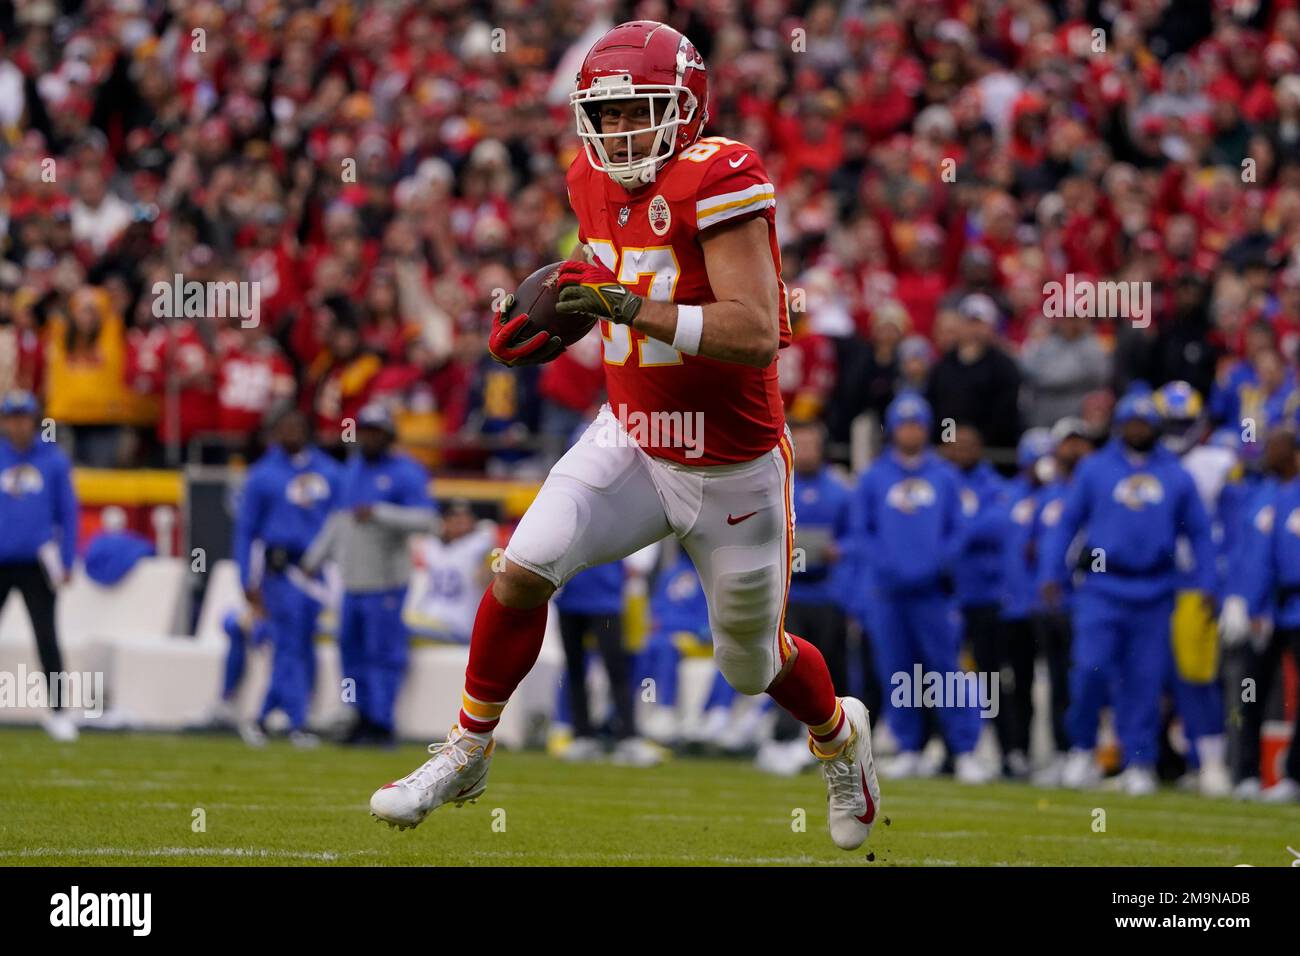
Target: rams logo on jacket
pixel 1023 512
pixel 1052 512
pixel 970 503
pixel 1264 520
pixel 1293 522
pixel 911 494
pixel 307 489
pixel 21 480
pixel 1138 491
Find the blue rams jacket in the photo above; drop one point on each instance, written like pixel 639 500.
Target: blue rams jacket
pixel 37 503
pixel 979 568
pixel 1133 508
pixel 1270 555
pixel 907 517
pixel 284 504
pixel 1019 588
pixel 821 502
pixel 678 602
pixel 595 590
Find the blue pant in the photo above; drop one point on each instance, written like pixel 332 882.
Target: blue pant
pixel 920 628
pixel 1121 654
pixel 292 616
pixel 236 661
pixel 1201 708
pixel 373 651
pixel 659 660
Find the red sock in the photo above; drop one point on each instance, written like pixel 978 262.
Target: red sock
pixel 807 692
pixel 502 650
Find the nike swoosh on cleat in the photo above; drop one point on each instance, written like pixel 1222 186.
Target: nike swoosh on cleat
pixel 870 815
pixel 734 520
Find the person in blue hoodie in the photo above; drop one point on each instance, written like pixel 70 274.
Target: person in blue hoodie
pixel 1018 598
pixel 1072 442
pixel 383 499
pixel 283 506
pixel 591 604
pixel 1134 500
pixel 978 571
pixel 679 624
pixel 38 512
pixel 907 516
pixel 1261 610
pixel 814 608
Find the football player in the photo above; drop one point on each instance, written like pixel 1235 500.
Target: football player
pixel 1197 696
pixel 685 278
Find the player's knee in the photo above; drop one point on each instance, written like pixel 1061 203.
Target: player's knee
pixel 744 616
pixel 748 670
pixel 519 588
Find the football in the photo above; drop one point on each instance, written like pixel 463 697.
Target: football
pixel 537 296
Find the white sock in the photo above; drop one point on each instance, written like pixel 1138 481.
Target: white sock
pixel 1212 750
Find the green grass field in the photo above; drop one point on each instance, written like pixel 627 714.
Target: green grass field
pixel 130 799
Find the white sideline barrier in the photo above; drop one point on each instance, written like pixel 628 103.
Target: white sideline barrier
pixel 148 601
pixel 167 683
pixel 223 594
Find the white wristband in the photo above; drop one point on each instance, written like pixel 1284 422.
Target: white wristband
pixel 690 326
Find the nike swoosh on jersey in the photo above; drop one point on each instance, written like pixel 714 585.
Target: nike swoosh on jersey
pixel 734 520
pixel 735 163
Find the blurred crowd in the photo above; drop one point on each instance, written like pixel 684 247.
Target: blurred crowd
pixel 380 170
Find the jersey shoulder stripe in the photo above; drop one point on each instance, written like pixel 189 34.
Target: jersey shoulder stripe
pixel 723 206
pixel 732 184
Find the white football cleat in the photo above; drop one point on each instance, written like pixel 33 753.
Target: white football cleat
pixel 660 725
pixel 1247 789
pixel 1214 780
pixel 1081 771
pixel 456 773
pixel 909 763
pixel 304 739
pixel 969 769
pixel 1139 781
pixel 1051 773
pixel 583 750
pixel 1285 790
pixel 852 791
pixel 637 752
pixel 61 727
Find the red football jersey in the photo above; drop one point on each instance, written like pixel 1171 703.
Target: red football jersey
pixel 250 379
pixel 650 240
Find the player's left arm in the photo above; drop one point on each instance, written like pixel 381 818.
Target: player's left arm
pixel 742 326
pixel 414 511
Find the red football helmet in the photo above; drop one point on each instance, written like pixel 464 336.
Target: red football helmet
pixel 642 59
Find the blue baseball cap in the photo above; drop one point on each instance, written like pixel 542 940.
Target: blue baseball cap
pixel 1034 444
pixel 1138 405
pixel 907 407
pixel 19 402
pixel 376 415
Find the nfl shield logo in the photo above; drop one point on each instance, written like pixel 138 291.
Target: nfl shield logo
pixel 623 214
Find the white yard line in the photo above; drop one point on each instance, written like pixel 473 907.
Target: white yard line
pixel 254 853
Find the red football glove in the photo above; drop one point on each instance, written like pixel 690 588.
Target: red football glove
pixel 537 349
pixel 594 290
